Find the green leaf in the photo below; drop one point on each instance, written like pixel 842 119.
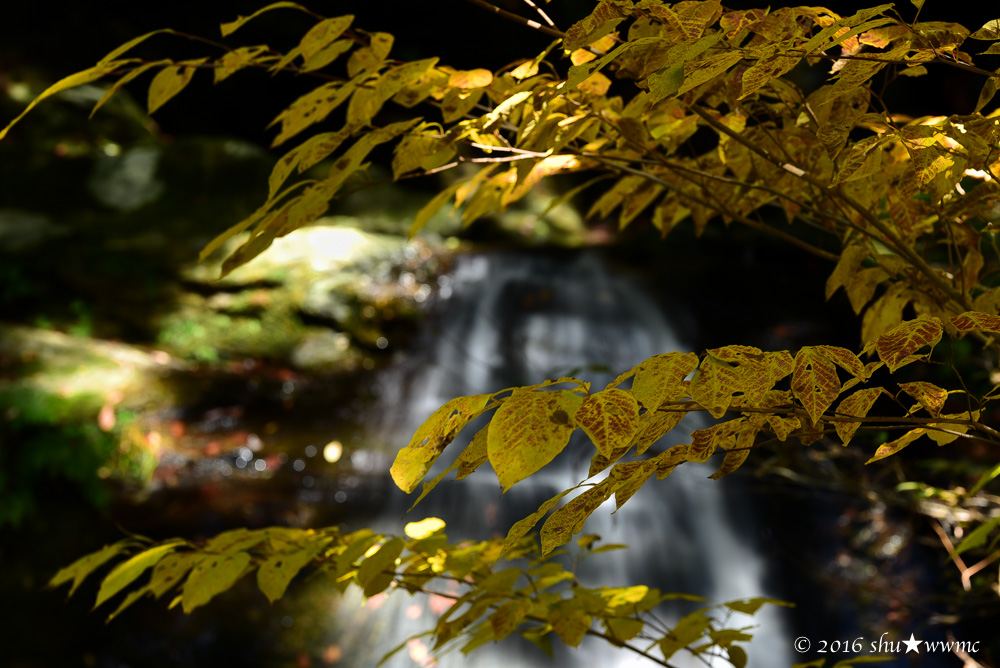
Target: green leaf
pixel 84 566
pixel 212 574
pixel 976 537
pixel 126 572
pixel 428 210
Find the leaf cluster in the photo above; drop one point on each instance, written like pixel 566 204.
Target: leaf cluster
pixel 530 596
pixel 904 209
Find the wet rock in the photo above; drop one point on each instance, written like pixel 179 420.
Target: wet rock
pixel 303 256
pixel 325 351
pixel 22 230
pixel 127 181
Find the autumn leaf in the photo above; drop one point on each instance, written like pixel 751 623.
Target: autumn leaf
pixel 528 431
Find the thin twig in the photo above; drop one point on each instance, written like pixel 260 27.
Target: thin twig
pixel 518 19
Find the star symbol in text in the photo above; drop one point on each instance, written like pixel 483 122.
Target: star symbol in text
pixel 912 645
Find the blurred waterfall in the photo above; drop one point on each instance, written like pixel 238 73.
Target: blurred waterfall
pixel 506 319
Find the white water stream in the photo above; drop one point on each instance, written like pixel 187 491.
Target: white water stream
pixel 512 319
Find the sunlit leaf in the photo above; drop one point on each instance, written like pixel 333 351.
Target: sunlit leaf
pixel 894 446
pixel 429 441
pixel 897 346
pixel 78 79
pixel 230 27
pixel 528 431
pixel 211 575
pixel 84 566
pixel 169 81
pixel 126 572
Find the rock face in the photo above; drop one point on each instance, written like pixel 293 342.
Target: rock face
pixel 320 297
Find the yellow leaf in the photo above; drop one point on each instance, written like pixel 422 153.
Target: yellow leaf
pixel 892 447
pixel 478 78
pixel 371 57
pixel 321 35
pixel 126 572
pixel 474 455
pixel 312 108
pixel 169 571
pixel 847 266
pixel 327 55
pixel 845 359
pixel 670 459
pixel 863 159
pixel 131 43
pixel 84 566
pixel 232 26
pixel 896 347
pixel 660 378
pixel 304 156
pixel 430 440
pixel 946 432
pixel 276 572
pixel 765 70
pixel 714 384
pixel 653 426
pixel 427 211
pixel 212 575
pixel 989 31
pixel 623 630
pixel 631 476
pixel 697 72
pixel 815 382
pixel 424 528
pixel 508 616
pixel 528 431
pixel 569 519
pixel 239 58
pixel 169 81
pixel 86 76
pixel 610 418
pixel 526 524
pixel 929 395
pixel 599 23
pixel 596 84
pixel 569 622
pixel 378 569
pixel 886 312
pixel 855 405
pixel 974 321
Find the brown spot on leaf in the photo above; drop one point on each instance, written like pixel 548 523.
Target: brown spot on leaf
pixel 560 417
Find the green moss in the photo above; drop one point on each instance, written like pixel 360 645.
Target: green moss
pixel 209 337
pixel 51 441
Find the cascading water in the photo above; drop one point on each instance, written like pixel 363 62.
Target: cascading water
pixel 508 319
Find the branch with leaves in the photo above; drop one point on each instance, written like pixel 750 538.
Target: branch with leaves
pixel 904 208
